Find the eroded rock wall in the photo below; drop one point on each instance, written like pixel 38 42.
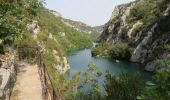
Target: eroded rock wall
pixel 148 42
pixel 7 77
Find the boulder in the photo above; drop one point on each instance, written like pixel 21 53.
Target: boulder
pixel 151 66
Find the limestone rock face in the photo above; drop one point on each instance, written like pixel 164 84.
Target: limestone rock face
pixel 142 49
pixel 138 23
pixel 150 45
pixel 62 64
pixel 117 11
pixel 34 27
pixel 148 42
pixel 7 77
pixel 117 24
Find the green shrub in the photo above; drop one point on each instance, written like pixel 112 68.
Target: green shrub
pixel 147 13
pixel 26 47
pixel 117 51
pixel 2 51
pixel 100 50
pixel 49 59
pixel 159 88
pixel 120 51
pixel 140 11
pixel 95 52
pixel 167 47
pixel 124 87
pixel 13 15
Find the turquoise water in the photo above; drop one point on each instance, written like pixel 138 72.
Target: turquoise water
pixel 79 62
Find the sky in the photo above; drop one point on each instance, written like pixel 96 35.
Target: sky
pixel 91 12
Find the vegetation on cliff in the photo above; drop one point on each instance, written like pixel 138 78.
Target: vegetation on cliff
pixel 13 15
pixel 117 51
pixel 69 39
pixel 143 26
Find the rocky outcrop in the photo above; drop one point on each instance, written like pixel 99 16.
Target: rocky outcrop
pixel 62 66
pixel 117 25
pixel 7 76
pixel 148 42
pixel 34 27
pixel 137 24
pixel 152 66
pixel 147 49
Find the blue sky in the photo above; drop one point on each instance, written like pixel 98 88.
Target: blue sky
pixel 91 12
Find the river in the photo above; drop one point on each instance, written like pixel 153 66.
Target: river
pixel 79 62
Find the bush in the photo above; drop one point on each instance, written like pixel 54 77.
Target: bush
pixel 117 51
pixel 167 47
pixel 146 12
pixel 124 87
pixel 13 15
pixel 159 88
pixel 120 51
pixel 100 50
pixel 2 49
pixel 95 52
pixel 26 48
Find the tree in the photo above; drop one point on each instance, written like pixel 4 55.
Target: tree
pixel 13 14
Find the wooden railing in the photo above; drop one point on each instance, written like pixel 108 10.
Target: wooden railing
pixel 50 92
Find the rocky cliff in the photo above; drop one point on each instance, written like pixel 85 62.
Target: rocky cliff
pixel 7 75
pixel 143 25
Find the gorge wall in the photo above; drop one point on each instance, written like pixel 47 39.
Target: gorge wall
pixel 144 29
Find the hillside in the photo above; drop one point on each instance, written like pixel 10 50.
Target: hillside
pixel 139 32
pixel 69 38
pixel 56 40
pixel 86 29
pixel 83 28
pixel 99 29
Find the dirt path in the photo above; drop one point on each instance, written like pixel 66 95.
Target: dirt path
pixel 28 85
